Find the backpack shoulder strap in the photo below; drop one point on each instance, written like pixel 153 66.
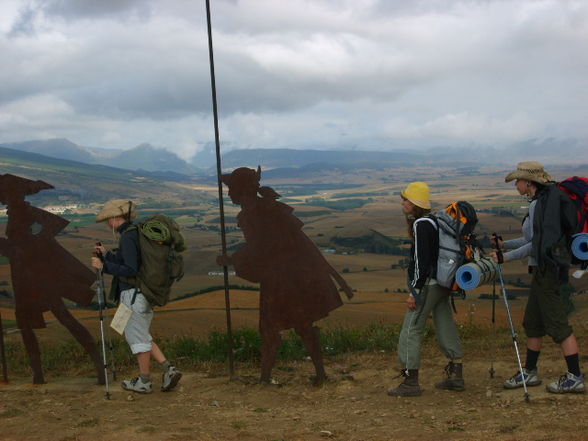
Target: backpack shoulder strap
pixel 430 218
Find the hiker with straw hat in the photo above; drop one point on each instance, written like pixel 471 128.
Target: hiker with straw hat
pixel 124 263
pixel 544 243
pixel 426 297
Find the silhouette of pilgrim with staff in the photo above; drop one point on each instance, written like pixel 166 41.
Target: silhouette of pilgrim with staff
pixel 296 282
pixel 42 271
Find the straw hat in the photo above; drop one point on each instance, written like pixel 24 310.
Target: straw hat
pixel 418 194
pixel 116 208
pixel 530 171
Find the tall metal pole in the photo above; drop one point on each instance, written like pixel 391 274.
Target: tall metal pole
pixel 220 191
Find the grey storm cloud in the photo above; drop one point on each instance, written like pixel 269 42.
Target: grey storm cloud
pixel 295 72
pixel 75 9
pixel 169 78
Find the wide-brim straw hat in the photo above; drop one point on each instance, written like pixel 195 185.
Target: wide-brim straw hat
pixel 530 171
pixel 417 193
pixel 116 208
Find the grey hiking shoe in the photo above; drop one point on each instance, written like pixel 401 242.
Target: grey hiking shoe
pixel 531 379
pixel 409 387
pixel 170 379
pixel 137 385
pixel 567 383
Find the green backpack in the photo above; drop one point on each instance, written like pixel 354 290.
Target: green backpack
pixel 162 264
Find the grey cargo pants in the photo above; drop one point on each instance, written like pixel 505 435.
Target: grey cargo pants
pixel 434 299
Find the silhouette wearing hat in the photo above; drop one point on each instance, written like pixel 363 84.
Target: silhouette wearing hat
pixel 296 282
pixel 42 271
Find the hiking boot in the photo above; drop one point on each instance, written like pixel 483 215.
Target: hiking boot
pixel 531 379
pixel 567 383
pixel 170 378
pixel 409 387
pixel 137 385
pixel 454 380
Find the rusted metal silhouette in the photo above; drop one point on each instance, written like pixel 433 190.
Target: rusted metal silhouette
pixel 296 282
pixel 42 270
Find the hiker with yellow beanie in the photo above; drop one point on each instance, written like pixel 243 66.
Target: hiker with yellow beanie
pixel 426 297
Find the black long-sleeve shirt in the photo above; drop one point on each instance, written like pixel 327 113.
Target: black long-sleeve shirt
pixel 124 261
pixel 424 252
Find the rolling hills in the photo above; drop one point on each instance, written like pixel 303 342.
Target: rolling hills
pixel 83 183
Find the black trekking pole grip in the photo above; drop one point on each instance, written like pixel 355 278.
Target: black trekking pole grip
pixel 98 254
pixel 499 254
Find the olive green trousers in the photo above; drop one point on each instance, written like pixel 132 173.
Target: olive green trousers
pixel 435 300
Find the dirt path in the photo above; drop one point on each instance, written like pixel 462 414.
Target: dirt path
pixel 353 405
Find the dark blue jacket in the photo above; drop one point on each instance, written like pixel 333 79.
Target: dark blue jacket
pixel 126 259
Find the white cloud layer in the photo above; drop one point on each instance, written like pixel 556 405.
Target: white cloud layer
pixel 295 73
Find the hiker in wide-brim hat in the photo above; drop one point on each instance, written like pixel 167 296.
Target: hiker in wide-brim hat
pixel 543 243
pixel 530 171
pixel 123 264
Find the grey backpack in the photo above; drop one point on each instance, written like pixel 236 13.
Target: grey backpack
pixel 455 224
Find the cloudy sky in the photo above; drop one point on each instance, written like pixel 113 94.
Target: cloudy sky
pixel 365 74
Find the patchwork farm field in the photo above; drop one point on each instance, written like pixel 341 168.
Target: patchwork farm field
pixel 209 404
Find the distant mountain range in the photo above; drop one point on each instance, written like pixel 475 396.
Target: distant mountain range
pixel 548 151
pixel 287 162
pixel 80 173
pixel 143 157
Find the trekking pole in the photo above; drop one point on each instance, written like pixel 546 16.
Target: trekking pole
pixel 100 296
pixel 512 329
pixel 220 192
pixel 3 355
pixel 108 336
pixel 491 371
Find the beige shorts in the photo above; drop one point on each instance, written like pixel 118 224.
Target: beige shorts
pixel 137 329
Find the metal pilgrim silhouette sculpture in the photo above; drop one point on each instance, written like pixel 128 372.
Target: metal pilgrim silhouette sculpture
pixel 42 271
pixel 297 284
